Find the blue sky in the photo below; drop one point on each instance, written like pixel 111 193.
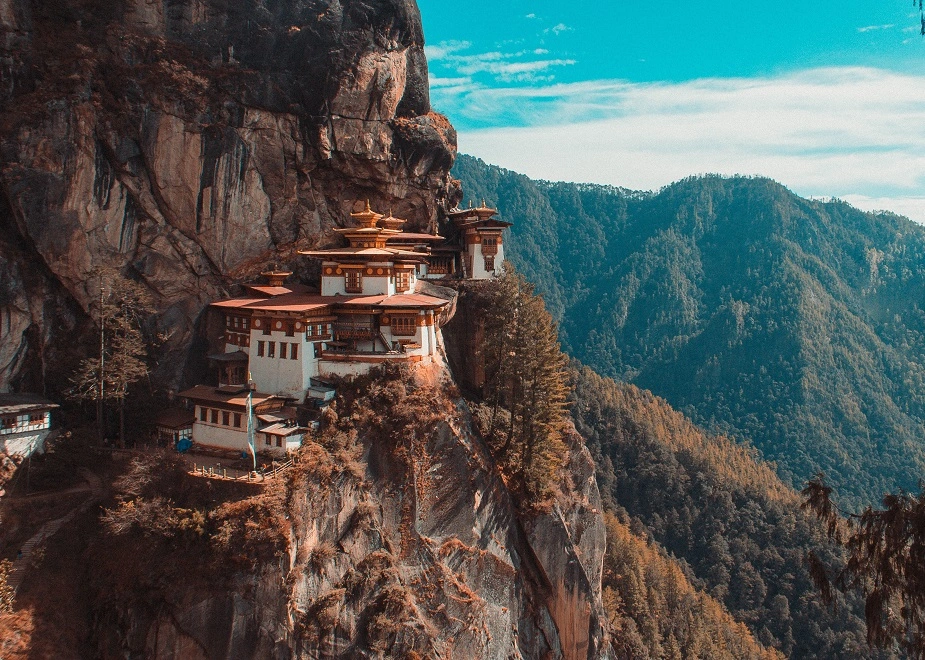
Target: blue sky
pixel 826 97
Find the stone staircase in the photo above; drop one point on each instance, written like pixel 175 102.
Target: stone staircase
pixel 21 565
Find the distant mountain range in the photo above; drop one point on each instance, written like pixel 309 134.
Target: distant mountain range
pixel 793 324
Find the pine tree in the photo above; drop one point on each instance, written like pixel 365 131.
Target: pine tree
pixel 526 386
pixel 123 308
pixel 886 562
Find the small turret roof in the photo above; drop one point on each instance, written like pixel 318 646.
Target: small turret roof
pixel 367 217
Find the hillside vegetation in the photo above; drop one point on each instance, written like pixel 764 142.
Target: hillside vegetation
pixel 797 325
pixel 656 612
pixel 728 518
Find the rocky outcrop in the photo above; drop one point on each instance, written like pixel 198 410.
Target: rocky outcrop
pixel 404 542
pixel 189 143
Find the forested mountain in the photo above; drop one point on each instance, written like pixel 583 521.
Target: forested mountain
pixel 724 515
pixel 795 324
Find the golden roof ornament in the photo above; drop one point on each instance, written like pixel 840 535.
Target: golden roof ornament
pixel 367 217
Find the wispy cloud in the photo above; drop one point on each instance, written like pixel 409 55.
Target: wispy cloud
pixel 445 49
pixel 854 133
pixel 436 82
pixel 872 28
pixel 911 207
pixel 504 67
pixel 558 29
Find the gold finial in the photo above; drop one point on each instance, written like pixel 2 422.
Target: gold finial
pixel 367 205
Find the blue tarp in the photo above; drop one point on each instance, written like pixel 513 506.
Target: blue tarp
pixel 183 445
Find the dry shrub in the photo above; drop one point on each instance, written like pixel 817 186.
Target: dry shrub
pixel 6 591
pixel 251 529
pixel 363 517
pixel 377 568
pixel 155 516
pixel 312 463
pixel 321 555
pixel 159 474
pixel 321 617
pixel 388 614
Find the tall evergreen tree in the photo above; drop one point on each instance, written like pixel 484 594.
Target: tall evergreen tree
pixel 123 308
pixel 526 385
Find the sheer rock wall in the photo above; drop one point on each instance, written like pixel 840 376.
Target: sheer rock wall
pixel 189 143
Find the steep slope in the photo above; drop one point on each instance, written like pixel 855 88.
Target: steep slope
pixel 189 143
pixel 709 503
pixel 656 612
pixel 391 536
pixel 653 608
pixel 795 324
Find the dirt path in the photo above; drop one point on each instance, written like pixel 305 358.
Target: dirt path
pixel 21 565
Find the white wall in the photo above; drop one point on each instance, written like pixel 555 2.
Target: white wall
pixel 332 285
pixel 225 437
pixel 276 375
pixel 478 262
pixel 290 444
pixel 425 336
pixel 23 444
pixel 344 369
pixel 373 285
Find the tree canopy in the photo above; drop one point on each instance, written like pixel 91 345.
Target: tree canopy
pixel 123 307
pixel 885 562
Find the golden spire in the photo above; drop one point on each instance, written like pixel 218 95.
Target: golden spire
pixel 367 217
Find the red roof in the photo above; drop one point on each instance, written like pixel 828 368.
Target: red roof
pixel 266 290
pixel 386 253
pixel 412 236
pixel 213 395
pixel 175 418
pixel 290 302
pixel 416 300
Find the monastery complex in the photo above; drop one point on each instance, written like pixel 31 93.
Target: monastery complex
pixel 379 301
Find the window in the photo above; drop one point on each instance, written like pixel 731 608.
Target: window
pixel 214 416
pixel 282 350
pixel 271 349
pixel 489 263
pixel 267 440
pixel 8 422
pixel 36 418
pixel 237 420
pixel 266 328
pixel 317 349
pixel 279 441
pixel 402 280
pixel 294 352
pixel 490 245
pixel 225 419
pixel 260 348
pixel 353 281
pixel 290 330
pixel 203 414
pixel 404 325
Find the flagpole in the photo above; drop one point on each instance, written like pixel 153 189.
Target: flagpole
pixel 250 423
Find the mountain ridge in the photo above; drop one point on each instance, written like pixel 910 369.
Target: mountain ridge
pixel 793 324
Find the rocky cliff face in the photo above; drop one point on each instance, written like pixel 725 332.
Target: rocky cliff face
pixel 190 142
pixel 403 542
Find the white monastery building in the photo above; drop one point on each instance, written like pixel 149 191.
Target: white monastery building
pixel 25 423
pixel 375 305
